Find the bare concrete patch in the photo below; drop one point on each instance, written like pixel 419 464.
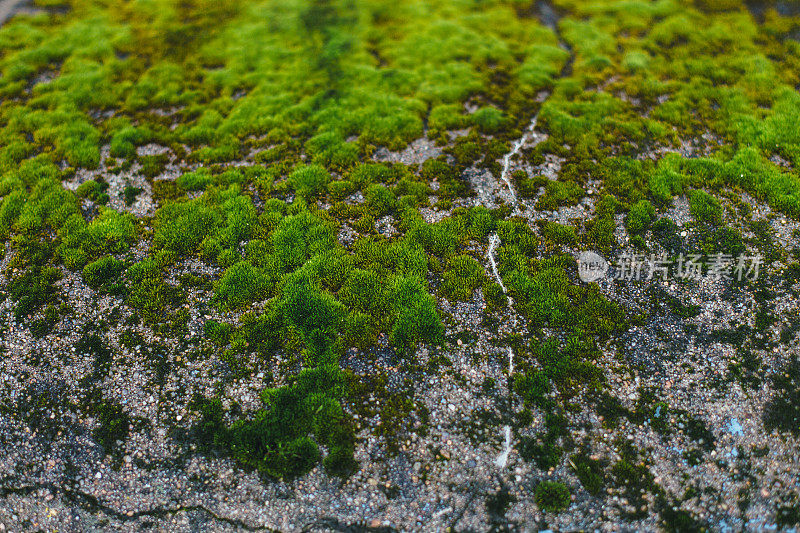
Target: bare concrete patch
pixel 417 152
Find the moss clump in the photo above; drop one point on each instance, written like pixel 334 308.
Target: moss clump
pixel 589 472
pixel 42 326
pixel 552 496
pixel 558 193
pixel 153 165
pixel 545 449
pixel 94 190
pixel 105 275
pixel 639 217
pixel 130 194
pixel 705 208
pixel 559 233
pixel 32 289
pixel 210 225
pixel 309 181
pixel 462 276
pixel 114 424
pixel 380 199
pixel 494 296
pixel 315 316
pixel 416 318
pixel 533 386
pixel 110 233
pixel 664 183
pixel 600 230
pixel 198 180
pixel 528 187
pixel 218 332
pixel 242 283
pixel 783 411
pixel 488 119
pixel 282 439
pixel 148 292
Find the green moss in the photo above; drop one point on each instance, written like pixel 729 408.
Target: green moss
pixel 364 292
pixel 299 237
pixel 488 119
pixel 130 193
pixel 330 150
pixel 625 177
pixel 114 424
pixel 32 289
pixel 559 233
pixel 316 317
pixel 218 332
pixel 682 310
pixel 166 191
pixel 705 208
pixel 445 117
pixel 195 181
pixel 215 222
pixel 110 233
pixel 95 190
pixel 153 165
pixel 528 187
pixel 282 439
pixel 783 411
pixel 10 209
pixel 182 227
pixel 532 386
pixel 639 217
pixel 338 190
pixel 242 283
pixel 552 496
pixel 461 277
pixel 380 199
pixel 557 194
pixel 105 274
pixel 332 83
pixel 366 174
pixel 416 319
pixel 42 326
pixel 546 297
pixel 724 240
pixel 309 181
pixel 125 140
pixel 665 183
pixel 589 472
pixel 494 296
pixel 147 290
pixel 519 237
